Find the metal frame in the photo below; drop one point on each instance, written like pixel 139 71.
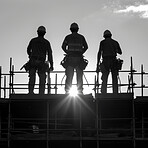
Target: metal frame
pixel 131 88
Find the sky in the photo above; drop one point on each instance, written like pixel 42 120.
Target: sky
pixel 126 19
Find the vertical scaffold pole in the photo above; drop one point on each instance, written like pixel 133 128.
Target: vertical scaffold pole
pixel 95 86
pixel 9 112
pixel 5 87
pixel 56 84
pixel 49 83
pixel 98 120
pixel 10 76
pixel 133 108
pixel 132 81
pixel 142 85
pixel 12 79
pixel 80 124
pixel 0 80
pixel 47 140
pixel 97 82
pixel 9 123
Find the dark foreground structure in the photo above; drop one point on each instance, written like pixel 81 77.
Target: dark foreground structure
pixel 84 121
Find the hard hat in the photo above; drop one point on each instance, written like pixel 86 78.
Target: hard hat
pixel 41 29
pixel 74 26
pixel 107 33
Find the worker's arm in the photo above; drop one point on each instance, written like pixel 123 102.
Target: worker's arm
pixel 50 57
pixel 29 49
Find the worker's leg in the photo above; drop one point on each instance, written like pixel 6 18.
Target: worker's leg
pixel 104 78
pixel 79 75
pixel 32 77
pixel 69 76
pixel 115 81
pixel 42 81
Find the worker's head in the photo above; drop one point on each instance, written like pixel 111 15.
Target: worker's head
pixel 107 34
pixel 41 30
pixel 74 27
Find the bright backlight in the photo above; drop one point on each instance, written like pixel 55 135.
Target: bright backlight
pixel 73 91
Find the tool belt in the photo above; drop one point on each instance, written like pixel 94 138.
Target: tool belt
pixel 74 61
pixel 37 64
pixel 110 63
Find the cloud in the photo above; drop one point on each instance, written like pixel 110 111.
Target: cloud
pixel 142 10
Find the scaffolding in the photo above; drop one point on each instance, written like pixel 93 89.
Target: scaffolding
pixel 9 86
pixel 94 120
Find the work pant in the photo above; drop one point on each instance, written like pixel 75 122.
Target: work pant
pixel 32 79
pixel 109 65
pixel 69 77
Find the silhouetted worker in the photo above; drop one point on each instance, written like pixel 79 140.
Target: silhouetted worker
pixel 108 50
pixel 74 45
pixel 38 50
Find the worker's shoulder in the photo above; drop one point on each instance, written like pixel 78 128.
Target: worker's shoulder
pixel 46 40
pixel 114 40
pixel 74 35
pixel 109 40
pixel 33 39
pixel 80 35
pixel 41 39
pixel 69 35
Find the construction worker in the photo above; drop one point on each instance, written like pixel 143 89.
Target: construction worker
pixel 37 50
pixel 108 49
pixel 74 45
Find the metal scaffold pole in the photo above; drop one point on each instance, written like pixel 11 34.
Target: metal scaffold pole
pixel 47 140
pixel 49 83
pixel 10 77
pixel 142 84
pixel 54 112
pixel 133 107
pixel 0 80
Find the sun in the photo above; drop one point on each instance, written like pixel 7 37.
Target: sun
pixel 73 91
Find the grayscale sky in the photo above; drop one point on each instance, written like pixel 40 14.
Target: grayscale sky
pixel 126 19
